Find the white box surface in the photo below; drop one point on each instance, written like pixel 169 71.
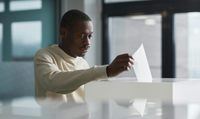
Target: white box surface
pixel 174 90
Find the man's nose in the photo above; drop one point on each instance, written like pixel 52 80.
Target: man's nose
pixel 86 41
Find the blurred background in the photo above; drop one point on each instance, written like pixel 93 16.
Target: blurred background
pixel 168 29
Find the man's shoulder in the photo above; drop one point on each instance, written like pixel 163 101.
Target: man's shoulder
pixel 43 51
pixel 47 52
pixel 44 54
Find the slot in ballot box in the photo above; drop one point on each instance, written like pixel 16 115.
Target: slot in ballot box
pixel 172 90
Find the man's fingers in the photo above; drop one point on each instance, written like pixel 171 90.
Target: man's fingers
pixel 125 55
pixel 128 67
pixel 124 60
pixel 127 64
pixel 124 68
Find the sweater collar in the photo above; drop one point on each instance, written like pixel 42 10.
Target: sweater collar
pixel 64 55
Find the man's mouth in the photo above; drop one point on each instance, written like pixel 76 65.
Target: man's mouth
pixel 85 49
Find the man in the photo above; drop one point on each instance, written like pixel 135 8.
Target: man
pixel 60 70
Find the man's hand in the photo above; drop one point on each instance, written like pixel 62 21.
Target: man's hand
pixel 120 64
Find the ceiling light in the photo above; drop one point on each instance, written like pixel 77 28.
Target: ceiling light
pixel 138 17
pixel 150 22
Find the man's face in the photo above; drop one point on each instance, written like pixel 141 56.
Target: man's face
pixel 77 40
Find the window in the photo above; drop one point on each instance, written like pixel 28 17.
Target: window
pixel 187 37
pixel 21 5
pixel 178 31
pixel 28 26
pixel 26 38
pixel 127 33
pixel 2 7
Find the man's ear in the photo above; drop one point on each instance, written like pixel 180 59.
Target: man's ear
pixel 63 32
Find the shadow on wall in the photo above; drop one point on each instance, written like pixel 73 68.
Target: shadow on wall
pixel 16 79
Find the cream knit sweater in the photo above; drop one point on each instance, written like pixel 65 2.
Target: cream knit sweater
pixel 60 77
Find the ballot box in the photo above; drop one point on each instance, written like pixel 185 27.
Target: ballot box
pixel 173 90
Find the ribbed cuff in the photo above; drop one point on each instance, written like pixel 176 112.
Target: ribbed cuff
pixel 100 72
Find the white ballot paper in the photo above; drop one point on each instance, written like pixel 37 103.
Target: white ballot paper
pixel 143 74
pixel 139 105
pixel 141 65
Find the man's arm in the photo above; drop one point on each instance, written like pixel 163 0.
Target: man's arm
pixel 55 80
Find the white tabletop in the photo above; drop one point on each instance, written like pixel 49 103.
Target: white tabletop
pixel 27 108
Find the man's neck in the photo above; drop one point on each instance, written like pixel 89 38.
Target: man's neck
pixel 65 50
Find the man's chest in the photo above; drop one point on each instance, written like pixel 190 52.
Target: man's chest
pixel 69 66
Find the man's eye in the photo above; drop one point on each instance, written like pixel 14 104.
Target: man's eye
pixel 82 36
pixel 90 36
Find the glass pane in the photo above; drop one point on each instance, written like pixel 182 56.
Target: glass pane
pixel 26 38
pixel 1 37
pixel 21 5
pixel 114 1
pixel 126 35
pixel 2 7
pixel 187 38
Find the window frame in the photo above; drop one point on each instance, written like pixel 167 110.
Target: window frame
pixel 47 15
pixel 167 9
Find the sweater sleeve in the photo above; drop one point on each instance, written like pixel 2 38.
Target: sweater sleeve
pixel 55 80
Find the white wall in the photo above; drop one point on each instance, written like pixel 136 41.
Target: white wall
pixel 93 9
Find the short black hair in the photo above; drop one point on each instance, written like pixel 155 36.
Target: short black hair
pixel 71 17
